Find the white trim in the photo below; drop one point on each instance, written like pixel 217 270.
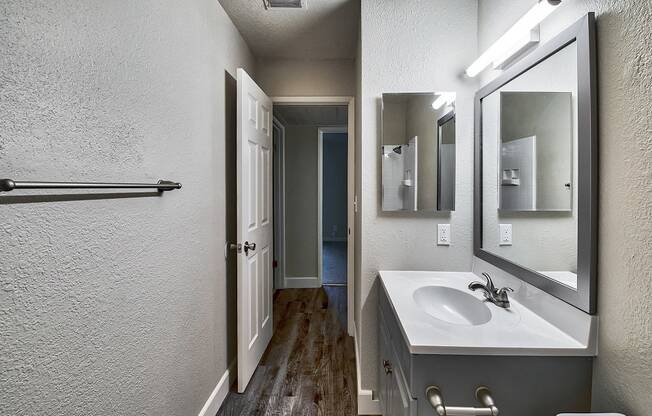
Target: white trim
pixel 302 282
pixel 320 204
pixel 279 215
pixel 304 100
pixel 352 203
pixel 350 102
pixel 215 400
pixel 367 405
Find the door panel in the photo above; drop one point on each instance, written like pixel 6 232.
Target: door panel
pixel 255 231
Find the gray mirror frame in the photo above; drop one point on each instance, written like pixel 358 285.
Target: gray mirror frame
pixel 584 298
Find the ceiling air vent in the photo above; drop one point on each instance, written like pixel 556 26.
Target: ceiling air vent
pixel 284 4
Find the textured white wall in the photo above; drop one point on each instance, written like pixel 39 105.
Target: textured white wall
pixel 114 305
pixel 410 46
pixel 296 77
pixel 623 368
pixel 357 245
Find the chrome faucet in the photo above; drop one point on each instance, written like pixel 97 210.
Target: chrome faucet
pixel 496 296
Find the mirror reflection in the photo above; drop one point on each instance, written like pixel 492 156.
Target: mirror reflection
pixel 535 151
pixel 529 156
pixel 418 151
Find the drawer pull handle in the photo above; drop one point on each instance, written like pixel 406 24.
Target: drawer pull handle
pixel 433 394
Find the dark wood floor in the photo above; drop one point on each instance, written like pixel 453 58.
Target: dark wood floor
pixel 309 366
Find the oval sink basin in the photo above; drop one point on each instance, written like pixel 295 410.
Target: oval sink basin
pixel 452 305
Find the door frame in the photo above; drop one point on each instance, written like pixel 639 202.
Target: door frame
pixel 279 203
pixel 349 101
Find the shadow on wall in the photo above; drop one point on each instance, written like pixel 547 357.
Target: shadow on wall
pixel 33 199
pixel 230 175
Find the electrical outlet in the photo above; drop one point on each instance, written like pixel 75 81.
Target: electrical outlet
pixel 505 237
pixel 443 234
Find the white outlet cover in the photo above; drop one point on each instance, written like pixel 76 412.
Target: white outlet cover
pixel 505 235
pixel 443 234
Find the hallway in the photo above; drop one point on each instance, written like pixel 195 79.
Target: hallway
pixel 309 366
pixel 334 278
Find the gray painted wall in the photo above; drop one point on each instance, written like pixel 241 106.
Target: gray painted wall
pixel 301 201
pixel 623 369
pixel 395 36
pixel 115 306
pixel 310 77
pixel 421 121
pixel 334 212
pixel 394 120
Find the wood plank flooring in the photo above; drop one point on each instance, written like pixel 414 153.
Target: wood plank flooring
pixel 309 365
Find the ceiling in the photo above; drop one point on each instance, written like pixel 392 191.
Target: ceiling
pixel 325 29
pixel 312 115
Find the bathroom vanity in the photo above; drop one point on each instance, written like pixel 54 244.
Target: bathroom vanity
pixel 531 339
pixel 433 330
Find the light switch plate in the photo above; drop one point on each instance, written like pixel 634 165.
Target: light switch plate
pixel 443 234
pixel 505 237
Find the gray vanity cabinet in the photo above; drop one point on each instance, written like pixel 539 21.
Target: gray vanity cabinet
pixel 393 393
pixel 521 385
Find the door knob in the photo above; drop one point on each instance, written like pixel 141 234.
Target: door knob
pixel 387 366
pixel 249 246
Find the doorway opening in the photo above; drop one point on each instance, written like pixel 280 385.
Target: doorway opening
pixel 313 198
pixel 333 143
pixel 284 314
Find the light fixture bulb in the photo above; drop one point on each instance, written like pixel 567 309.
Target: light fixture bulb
pixel 505 44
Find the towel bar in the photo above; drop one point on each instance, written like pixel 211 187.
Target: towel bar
pixel 7 185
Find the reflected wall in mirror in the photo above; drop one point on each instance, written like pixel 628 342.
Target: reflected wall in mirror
pixel 536 145
pixel 418 151
pixel 529 127
pixel 536 168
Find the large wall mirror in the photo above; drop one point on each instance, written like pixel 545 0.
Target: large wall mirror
pixel 418 151
pixel 535 168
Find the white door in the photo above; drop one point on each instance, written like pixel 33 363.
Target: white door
pixel 254 287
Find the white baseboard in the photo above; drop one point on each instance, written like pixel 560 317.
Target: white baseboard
pixel 220 392
pixel 302 282
pixel 367 405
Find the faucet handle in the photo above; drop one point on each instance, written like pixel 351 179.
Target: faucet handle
pixel 504 290
pixel 490 282
pixel 501 297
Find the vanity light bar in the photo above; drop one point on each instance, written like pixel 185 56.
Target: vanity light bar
pixel 515 39
pixel 520 45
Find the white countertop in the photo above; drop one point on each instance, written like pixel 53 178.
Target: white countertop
pixel 514 331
